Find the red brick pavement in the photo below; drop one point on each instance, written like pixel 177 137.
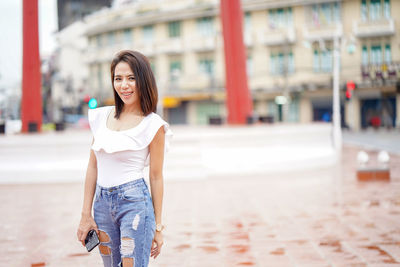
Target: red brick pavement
pixel 314 218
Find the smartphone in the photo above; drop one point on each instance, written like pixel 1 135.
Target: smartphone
pixel 91 240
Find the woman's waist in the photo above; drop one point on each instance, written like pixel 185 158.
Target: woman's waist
pixel 115 188
pixel 120 169
pixel 107 180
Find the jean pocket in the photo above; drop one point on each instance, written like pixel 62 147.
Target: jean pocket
pixel 133 194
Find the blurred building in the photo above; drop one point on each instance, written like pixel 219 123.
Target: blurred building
pixel 69 84
pixel 69 11
pixel 69 74
pixel 289 46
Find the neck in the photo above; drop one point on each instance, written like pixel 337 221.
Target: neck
pixel 135 109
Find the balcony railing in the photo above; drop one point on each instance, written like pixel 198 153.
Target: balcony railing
pixel 146 48
pixel 279 36
pixel 170 46
pixel 329 32
pixel 381 27
pixel 384 71
pixel 200 44
pixel 194 83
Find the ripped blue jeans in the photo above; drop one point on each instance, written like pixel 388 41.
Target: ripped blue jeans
pixel 124 215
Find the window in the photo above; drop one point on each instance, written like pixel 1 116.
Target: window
pixel 376 54
pixel 316 65
pixel 247 22
pixel 249 66
pixel 373 10
pixel 364 56
pixel 364 10
pixel 148 34
pixel 99 41
pixel 175 68
pixel 206 66
pixel 336 12
pixel 280 18
pixel 386 9
pixel 323 61
pixel 110 38
pixel 152 65
pixel 127 36
pixel 291 62
pixel 174 29
pixel 388 54
pixel 205 26
pixel 281 63
pixel 325 14
pixel 99 77
pixel 326 61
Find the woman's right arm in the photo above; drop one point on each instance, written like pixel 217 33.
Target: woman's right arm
pixel 87 222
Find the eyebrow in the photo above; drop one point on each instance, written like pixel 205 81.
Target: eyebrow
pixel 119 75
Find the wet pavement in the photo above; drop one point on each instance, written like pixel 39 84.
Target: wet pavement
pixel 385 139
pixel 315 217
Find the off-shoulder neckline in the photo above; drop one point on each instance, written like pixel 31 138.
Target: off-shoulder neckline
pixel 122 131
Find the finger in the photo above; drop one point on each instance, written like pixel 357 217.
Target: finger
pixel 84 234
pixel 156 255
pixel 82 240
pixel 80 236
pixel 154 252
pixel 79 232
pixel 155 249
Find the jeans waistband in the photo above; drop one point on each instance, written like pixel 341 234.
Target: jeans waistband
pixel 122 187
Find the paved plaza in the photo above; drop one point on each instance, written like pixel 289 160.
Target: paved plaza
pixel 298 211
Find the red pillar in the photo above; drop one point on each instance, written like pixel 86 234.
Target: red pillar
pixel 31 104
pixel 237 92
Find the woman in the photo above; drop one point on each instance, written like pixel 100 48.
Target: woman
pixel 127 138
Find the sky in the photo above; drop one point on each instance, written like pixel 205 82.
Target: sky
pixel 11 37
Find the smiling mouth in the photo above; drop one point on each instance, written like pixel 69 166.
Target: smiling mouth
pixel 127 94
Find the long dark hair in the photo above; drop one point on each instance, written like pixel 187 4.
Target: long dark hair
pixel 144 78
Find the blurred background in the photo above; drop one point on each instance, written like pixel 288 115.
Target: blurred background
pixel 279 189
pixel 289 58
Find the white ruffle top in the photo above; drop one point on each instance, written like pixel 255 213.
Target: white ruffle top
pixel 122 155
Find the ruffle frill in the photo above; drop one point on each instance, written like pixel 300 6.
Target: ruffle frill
pixel 137 138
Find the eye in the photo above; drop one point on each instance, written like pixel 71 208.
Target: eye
pixel 131 78
pixel 117 79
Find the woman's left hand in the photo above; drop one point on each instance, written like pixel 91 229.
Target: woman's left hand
pixel 158 241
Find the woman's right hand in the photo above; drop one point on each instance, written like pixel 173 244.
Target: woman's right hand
pixel 87 223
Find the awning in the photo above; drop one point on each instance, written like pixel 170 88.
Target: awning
pixel 175 101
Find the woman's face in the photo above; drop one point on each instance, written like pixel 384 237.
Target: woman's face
pixel 125 84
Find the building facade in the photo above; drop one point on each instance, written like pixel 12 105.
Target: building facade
pixel 69 11
pixel 290 48
pixel 70 82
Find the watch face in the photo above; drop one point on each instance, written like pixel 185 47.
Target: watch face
pixel 158 228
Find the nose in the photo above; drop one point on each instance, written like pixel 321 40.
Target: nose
pixel 124 83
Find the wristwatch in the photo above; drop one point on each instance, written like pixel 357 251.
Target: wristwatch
pixel 159 227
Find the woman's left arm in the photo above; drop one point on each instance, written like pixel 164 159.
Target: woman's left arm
pixel 156 150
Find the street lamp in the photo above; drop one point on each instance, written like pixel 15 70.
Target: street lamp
pixel 337 134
